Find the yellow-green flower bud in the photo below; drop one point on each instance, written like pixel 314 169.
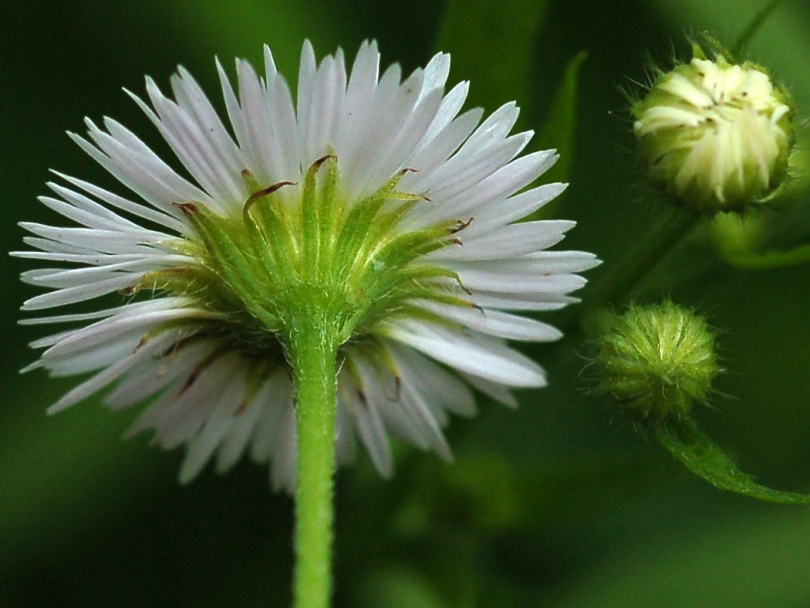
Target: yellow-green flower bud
pixel 657 361
pixel 714 135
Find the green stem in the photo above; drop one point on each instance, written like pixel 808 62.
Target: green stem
pixel 704 458
pixel 313 356
pixel 672 228
pixel 616 286
pixel 753 27
pixel 769 259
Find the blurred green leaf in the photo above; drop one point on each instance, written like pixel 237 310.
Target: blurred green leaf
pixel 780 43
pixel 768 260
pixel 492 43
pixel 560 127
pixel 227 29
pixel 756 23
pixel 397 587
pixel 486 493
pixel 741 562
pixel 704 458
pixel 65 471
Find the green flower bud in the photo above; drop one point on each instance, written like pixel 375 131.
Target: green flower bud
pixel 714 135
pixel 657 361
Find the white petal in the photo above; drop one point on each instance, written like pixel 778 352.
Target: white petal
pixel 169 219
pixel 238 436
pixel 354 122
pixel 370 132
pixel 399 147
pixel 496 323
pixel 477 355
pixel 199 140
pixel 507 242
pixel 162 303
pixel 110 374
pixel 521 301
pixel 283 467
pixel 89 361
pixel 345 445
pixel 179 415
pixel 216 427
pixel 114 327
pixel 435 74
pixel 501 183
pixel 83 211
pixel 137 167
pixel 497 391
pixel 320 101
pixel 80 293
pixel 479 279
pixel 62 277
pixel 369 422
pixel 446 390
pixel 177 364
pixel 496 126
pixel 106 259
pixel 488 219
pixel 92 239
pixel 415 404
pixel 440 147
pixel 279 399
pixel 464 171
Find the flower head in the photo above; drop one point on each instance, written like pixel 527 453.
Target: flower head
pixel 657 361
pixel 715 135
pixel 368 199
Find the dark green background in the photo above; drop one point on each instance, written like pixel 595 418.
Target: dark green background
pixel 560 503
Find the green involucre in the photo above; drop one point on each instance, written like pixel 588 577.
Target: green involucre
pixel 657 361
pixel 284 259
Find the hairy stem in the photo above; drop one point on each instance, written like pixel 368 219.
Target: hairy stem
pixel 313 356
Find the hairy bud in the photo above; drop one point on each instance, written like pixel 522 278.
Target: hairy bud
pixel 714 135
pixel 657 361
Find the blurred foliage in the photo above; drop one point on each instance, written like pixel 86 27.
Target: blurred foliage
pixel 557 503
pixel 475 32
pixel 559 129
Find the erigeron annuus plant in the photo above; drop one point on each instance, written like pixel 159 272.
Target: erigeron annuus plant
pixel 345 267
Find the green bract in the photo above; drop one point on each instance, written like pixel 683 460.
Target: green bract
pixel 657 361
pixel 278 263
pixel 715 136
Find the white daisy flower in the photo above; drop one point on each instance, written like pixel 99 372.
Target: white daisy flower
pixel 401 211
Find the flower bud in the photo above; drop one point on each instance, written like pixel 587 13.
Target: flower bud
pixel 656 361
pixel 714 135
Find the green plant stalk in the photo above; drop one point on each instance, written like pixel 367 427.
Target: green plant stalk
pixel 698 453
pixel 672 228
pixel 313 357
pixel 616 287
pixel 753 27
pixel 768 260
